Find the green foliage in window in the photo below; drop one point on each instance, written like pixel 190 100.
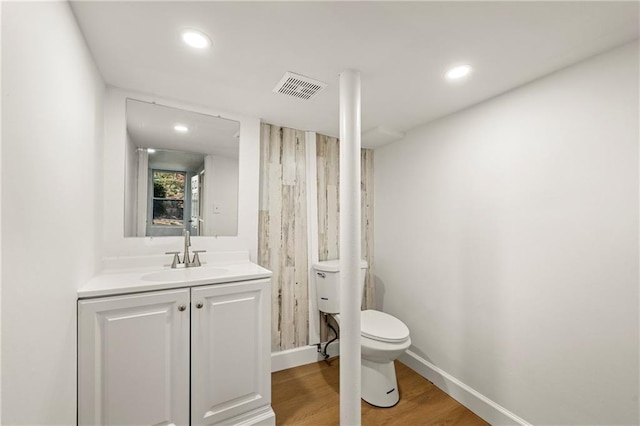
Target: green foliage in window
pixel 169 185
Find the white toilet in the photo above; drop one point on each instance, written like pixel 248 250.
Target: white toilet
pixel 383 337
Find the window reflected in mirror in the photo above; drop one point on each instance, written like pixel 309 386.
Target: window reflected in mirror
pixel 168 198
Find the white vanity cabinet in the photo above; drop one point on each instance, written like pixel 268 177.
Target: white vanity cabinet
pixel 196 355
pixel 133 359
pixel 230 336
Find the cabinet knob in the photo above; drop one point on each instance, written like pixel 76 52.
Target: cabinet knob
pixel 199 305
pixel 182 308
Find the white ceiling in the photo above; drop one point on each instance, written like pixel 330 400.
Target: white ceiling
pixel 402 50
pixel 152 126
pixel 176 160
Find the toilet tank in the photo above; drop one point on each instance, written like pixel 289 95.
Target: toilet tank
pixel 327 278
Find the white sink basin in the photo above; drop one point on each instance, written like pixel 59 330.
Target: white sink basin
pixel 184 275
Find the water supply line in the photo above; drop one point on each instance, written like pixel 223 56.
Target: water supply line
pixel 326 345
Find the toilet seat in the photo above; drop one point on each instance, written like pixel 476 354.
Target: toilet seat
pixel 382 327
pixel 376 325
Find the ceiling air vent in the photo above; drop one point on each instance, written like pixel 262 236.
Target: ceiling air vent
pixel 299 86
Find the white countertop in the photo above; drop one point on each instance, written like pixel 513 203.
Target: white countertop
pixel 149 274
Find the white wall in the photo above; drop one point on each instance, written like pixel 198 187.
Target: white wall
pixel 51 206
pixel 114 174
pixel 0 224
pixel 507 240
pixel 224 195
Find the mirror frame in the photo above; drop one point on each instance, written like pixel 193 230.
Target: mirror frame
pixel 115 244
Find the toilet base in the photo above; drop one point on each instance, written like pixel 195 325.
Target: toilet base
pixel 379 384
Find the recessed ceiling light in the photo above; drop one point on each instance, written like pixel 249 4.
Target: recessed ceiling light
pixel 181 128
pixel 151 150
pixel 458 72
pixel 196 39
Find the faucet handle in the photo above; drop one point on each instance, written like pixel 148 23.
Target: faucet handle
pixel 176 259
pixel 196 258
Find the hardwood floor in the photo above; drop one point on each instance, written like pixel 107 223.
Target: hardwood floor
pixel 308 395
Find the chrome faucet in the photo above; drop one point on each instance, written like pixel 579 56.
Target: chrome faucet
pixel 187 243
pixel 186 259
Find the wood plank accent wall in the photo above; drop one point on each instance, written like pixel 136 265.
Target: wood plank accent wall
pixel 366 204
pixel 282 239
pixel 328 170
pixel 328 167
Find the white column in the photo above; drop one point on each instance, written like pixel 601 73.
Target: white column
pixel 142 192
pixel 208 196
pixel 350 294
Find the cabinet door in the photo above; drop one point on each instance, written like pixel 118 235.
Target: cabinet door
pixel 230 353
pixel 133 359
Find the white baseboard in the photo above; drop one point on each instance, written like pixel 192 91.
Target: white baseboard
pixel 490 411
pixel 300 356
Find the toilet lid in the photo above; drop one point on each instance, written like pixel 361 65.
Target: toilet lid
pixel 334 265
pixel 383 327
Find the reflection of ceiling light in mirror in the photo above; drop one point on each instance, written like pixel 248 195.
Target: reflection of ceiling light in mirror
pixel 180 128
pixel 458 72
pixel 196 39
pixel 151 150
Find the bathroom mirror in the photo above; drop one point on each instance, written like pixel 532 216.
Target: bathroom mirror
pixel 181 172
